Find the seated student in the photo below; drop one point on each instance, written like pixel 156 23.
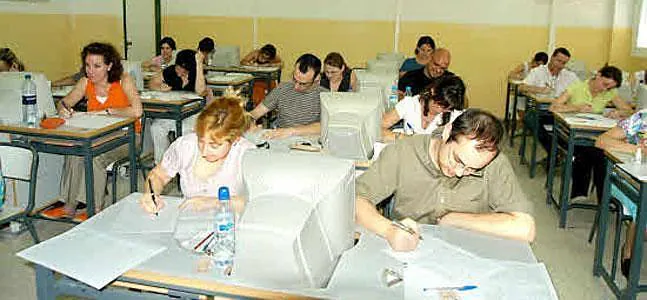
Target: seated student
pixel 521 71
pixel 440 103
pixel 109 91
pixel 186 75
pixel 206 46
pixel 594 94
pixel 207 159
pixel 9 61
pixel 166 57
pixel 265 56
pixel 435 69
pixel 458 179
pixel 296 101
pixel 337 76
pixel 424 48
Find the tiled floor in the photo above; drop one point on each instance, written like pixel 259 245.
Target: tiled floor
pixel 565 252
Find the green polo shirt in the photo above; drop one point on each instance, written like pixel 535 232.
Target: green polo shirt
pixel 422 192
pixel 580 94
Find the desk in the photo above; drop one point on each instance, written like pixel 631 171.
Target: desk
pixel 175 106
pixel 631 179
pixel 575 132
pixel 511 117
pixel 67 140
pixel 222 82
pixel 536 107
pixel 265 73
pixel 171 273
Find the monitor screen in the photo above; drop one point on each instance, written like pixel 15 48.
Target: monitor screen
pixel 298 220
pixel 11 95
pixel 350 124
pixel 226 56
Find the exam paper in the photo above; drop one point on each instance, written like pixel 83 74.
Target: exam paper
pixel 91 121
pixel 169 96
pixel 131 218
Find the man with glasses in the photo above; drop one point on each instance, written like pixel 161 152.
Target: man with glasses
pixel 457 179
pixel 435 69
pixel 297 101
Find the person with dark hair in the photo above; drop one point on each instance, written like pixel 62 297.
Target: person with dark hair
pixel 424 48
pixel 454 178
pixel 440 103
pixel 551 79
pixel 297 101
pixel 206 46
pixel 9 61
pixel 166 57
pixel 109 91
pixel 522 70
pixel 337 76
pixel 265 56
pixel 185 75
pixel 435 69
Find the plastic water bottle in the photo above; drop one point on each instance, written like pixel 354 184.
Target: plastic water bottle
pixel 29 107
pixel 393 97
pixel 408 92
pixel 224 232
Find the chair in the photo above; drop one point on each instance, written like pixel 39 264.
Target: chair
pixel 10 154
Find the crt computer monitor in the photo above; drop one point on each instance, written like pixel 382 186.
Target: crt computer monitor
pixel 298 219
pixel 383 81
pixel 226 56
pixel 11 95
pixel 377 66
pixel 350 124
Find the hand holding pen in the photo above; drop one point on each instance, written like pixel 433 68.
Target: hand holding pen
pixel 65 111
pixel 403 235
pixel 151 202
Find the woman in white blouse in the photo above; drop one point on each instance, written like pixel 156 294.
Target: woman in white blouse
pixel 440 103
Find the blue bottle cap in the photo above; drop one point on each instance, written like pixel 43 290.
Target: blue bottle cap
pixel 223 193
pixel 408 88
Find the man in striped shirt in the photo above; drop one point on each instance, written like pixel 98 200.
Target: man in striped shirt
pixel 297 101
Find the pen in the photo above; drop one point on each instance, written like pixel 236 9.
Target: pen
pixel 405 228
pixel 410 128
pixel 455 288
pixel 203 240
pixel 150 186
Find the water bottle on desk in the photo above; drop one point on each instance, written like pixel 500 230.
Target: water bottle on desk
pixel 408 92
pixel 393 97
pixel 224 231
pixel 29 107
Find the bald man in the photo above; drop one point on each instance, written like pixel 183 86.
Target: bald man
pixel 435 69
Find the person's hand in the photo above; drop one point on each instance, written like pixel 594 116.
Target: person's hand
pixel 402 241
pixel 65 113
pixel 199 57
pixel 545 90
pixel 146 203
pixel 278 133
pixel 613 114
pixel 200 203
pixel 585 108
pixel 165 87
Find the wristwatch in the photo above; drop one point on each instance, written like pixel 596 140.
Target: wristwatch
pixel 108 111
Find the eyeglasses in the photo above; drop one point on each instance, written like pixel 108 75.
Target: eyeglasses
pixel 457 164
pixel 302 84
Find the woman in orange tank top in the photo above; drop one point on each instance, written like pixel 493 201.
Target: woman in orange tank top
pixel 109 91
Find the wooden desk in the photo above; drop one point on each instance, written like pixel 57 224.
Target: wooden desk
pixel 241 81
pixel 536 108
pixel 171 106
pixel 575 133
pixel 631 179
pixel 87 143
pixel 511 117
pixel 264 73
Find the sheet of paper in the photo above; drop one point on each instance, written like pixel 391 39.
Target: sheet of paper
pixel 82 254
pixel 260 68
pixel 635 169
pixel 90 121
pixel 131 218
pixel 169 96
pixel 591 120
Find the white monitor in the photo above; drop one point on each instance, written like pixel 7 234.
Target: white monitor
pixel 642 97
pixel 11 95
pixel 134 69
pixel 376 66
pixel 391 56
pixel 226 56
pixel 383 81
pixel 298 220
pixel 350 124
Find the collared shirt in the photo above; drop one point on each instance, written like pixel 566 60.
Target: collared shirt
pixel 581 94
pixel 422 192
pixel 541 77
pixel 295 108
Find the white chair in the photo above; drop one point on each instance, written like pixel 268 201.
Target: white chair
pixel 20 162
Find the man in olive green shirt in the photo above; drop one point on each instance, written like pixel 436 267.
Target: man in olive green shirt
pixel 457 179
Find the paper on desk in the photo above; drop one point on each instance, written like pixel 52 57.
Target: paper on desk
pixel 169 96
pixel 131 218
pixel 82 254
pixel 591 120
pixel 260 68
pixel 635 169
pixel 90 121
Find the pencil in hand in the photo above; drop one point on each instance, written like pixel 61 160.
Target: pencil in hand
pixel 150 186
pixel 405 228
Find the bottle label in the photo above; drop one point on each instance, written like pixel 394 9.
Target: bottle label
pixel 28 99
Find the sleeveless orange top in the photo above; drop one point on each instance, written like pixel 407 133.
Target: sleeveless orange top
pixel 117 98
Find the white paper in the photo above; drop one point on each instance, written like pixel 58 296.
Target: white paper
pixel 131 218
pixel 90 121
pixel 590 120
pixel 637 170
pixel 83 255
pixel 260 68
pixel 230 77
pixel 169 96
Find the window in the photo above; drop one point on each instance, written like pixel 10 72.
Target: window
pixel 640 29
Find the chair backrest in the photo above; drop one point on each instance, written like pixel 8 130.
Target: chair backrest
pixel 20 162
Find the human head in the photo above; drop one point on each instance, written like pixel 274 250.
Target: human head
pixel 559 59
pixel 167 46
pixel 185 63
pixel 266 54
pixel 439 62
pixel 471 142
pixel 206 46
pixel 334 65
pixel 540 58
pixel 607 78
pixel 9 61
pixel 425 46
pixel 219 125
pixel 442 96
pixel 306 72
pixel 102 61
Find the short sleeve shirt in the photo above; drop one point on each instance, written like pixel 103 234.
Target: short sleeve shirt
pixel 409 109
pixel 635 127
pixel 295 108
pixel 541 77
pixel 422 192
pixel 580 94
pixel 410 64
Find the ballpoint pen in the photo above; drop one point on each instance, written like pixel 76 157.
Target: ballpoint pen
pixel 453 288
pixel 405 228
pixel 150 186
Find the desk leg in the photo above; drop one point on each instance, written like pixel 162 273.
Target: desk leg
pixel 89 182
pixel 535 137
pixel 513 126
pixel 132 154
pixel 506 120
pixel 637 251
pixel 278 76
pixel 44 283
pixel 566 178
pixel 551 167
pixel 178 126
pixel 602 221
pixel 249 106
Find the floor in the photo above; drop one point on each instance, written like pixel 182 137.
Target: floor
pixel 566 252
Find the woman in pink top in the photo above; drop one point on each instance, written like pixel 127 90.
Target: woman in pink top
pixel 207 159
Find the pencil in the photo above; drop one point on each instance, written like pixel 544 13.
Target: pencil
pixel 405 228
pixel 203 240
pixel 150 186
